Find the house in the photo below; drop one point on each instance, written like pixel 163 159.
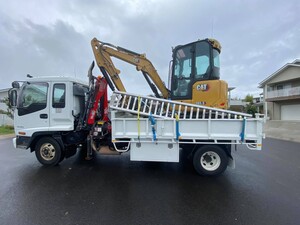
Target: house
pixel 237 105
pixel 258 101
pixel 4 119
pixel 281 92
pixel 3 95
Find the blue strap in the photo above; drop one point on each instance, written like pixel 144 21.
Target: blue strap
pixel 242 135
pixel 177 128
pixel 153 122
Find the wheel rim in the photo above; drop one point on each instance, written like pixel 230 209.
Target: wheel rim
pixel 47 151
pixel 210 161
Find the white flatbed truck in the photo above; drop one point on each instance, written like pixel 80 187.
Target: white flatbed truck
pixel 53 116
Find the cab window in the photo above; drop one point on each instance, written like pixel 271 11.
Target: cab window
pixel 202 64
pixel 59 96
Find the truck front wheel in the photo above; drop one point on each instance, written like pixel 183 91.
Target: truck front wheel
pixel 48 151
pixel 210 160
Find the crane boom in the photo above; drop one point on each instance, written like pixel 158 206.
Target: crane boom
pixel 103 53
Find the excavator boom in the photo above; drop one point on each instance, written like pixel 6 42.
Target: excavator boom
pixel 103 53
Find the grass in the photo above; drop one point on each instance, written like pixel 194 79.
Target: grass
pixel 6 130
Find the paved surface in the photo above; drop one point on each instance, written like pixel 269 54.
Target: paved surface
pixel 263 189
pixel 5 136
pixel 283 130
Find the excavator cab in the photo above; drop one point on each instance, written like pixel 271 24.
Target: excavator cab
pixel 195 76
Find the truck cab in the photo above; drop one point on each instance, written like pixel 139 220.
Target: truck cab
pixel 48 107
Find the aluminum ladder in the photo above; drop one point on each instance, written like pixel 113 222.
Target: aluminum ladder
pixel 162 108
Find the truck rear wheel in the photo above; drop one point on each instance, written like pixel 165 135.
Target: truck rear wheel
pixel 210 160
pixel 48 151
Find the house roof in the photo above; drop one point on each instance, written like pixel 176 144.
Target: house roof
pixel 295 63
pixel 4 90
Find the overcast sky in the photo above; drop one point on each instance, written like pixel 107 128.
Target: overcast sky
pixel 53 37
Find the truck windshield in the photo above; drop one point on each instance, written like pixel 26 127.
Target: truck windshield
pixel 33 97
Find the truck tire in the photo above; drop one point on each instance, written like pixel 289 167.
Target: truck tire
pixel 210 160
pixel 48 151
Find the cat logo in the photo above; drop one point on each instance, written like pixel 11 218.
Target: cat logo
pixel 202 87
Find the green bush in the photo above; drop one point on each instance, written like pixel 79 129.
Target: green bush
pixel 6 129
pixel 251 109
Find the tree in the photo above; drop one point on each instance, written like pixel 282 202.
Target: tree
pixel 250 107
pixel 9 111
pixel 249 98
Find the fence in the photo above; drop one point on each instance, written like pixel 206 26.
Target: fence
pixel 5 120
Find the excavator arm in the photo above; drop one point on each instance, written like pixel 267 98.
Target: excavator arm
pixel 103 53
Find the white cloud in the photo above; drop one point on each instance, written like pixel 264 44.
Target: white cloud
pixel 53 38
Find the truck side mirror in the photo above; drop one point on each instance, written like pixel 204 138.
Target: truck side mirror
pixel 15 84
pixel 12 97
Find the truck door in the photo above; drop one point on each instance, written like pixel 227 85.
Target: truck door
pixel 61 107
pixel 33 108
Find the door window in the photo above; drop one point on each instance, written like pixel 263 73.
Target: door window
pixel 59 96
pixel 182 72
pixel 33 98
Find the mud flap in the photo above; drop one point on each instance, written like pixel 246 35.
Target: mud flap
pixel 231 162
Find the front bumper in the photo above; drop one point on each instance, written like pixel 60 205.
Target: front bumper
pixel 14 142
pixel 21 142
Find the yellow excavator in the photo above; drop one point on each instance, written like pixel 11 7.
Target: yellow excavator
pixel 194 76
